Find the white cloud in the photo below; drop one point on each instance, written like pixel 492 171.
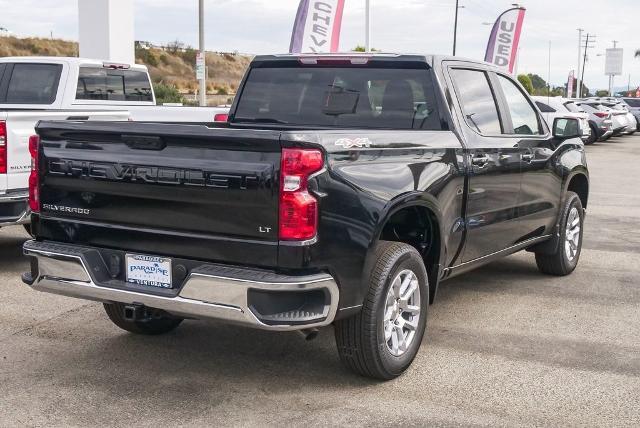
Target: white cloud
pixel 422 26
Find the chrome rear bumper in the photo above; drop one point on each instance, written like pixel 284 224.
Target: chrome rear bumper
pixel 14 208
pixel 208 292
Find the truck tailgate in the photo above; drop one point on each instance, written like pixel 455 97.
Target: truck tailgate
pixel 180 190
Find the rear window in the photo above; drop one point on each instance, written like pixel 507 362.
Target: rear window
pixel 544 108
pixel 33 84
pixel 342 97
pixel 633 102
pixel 113 85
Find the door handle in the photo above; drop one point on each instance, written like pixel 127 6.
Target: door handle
pixel 528 157
pixel 480 161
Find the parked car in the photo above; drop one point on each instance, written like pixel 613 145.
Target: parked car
pixel 618 119
pixel 42 88
pixel 600 123
pixel 634 107
pixel 554 107
pixel 343 189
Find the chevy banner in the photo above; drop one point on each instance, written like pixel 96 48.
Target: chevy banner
pixel 317 26
pixel 502 48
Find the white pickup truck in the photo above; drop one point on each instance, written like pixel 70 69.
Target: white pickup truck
pixel 61 88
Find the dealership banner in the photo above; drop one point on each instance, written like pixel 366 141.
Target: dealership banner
pixel 317 26
pixel 570 84
pixel 502 48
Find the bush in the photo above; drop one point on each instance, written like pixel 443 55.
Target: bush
pixel 167 94
pixel 525 81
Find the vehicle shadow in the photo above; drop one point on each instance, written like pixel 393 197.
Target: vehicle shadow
pixel 11 240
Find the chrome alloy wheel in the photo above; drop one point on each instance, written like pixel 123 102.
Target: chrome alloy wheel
pixel 402 312
pixel 572 236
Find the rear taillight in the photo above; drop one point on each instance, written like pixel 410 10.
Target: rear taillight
pixel 602 114
pixel 34 177
pixel 221 117
pixel 298 208
pixel 3 147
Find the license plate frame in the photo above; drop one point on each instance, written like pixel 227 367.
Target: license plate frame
pixel 151 271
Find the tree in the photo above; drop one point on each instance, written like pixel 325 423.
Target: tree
pixel 539 84
pixel 167 94
pixel 602 93
pixel 525 81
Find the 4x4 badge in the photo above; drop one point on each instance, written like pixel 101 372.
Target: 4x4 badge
pixel 349 143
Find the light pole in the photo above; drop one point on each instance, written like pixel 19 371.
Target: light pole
pixel 615 45
pixel 367 37
pixel 455 27
pixel 202 59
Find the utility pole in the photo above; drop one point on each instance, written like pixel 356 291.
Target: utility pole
pixel 202 59
pixel 615 44
pixel 578 82
pixel 367 44
pixel 589 43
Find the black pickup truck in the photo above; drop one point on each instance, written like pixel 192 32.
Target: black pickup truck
pixel 342 190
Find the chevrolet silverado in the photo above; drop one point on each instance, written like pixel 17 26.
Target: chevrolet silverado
pixel 343 189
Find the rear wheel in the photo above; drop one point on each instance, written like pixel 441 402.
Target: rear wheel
pixel 148 321
pixel 565 258
pixel 384 338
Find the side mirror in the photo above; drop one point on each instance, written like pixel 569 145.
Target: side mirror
pixel 566 127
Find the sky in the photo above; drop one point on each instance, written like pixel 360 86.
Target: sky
pixel 410 26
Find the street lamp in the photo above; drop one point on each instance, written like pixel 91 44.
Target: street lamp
pixel 455 27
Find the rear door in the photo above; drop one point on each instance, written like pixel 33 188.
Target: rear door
pixel 494 170
pixel 176 190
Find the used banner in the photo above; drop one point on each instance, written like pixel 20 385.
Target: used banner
pixel 505 37
pixel 570 84
pixel 317 26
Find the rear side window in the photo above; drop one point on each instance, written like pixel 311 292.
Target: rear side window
pixel 574 108
pixel 523 115
pixel 113 85
pixel 355 97
pixel 544 108
pixel 633 102
pixel 33 84
pixel 478 103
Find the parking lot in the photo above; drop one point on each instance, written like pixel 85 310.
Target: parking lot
pixel 505 346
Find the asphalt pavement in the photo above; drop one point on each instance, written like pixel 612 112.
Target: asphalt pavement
pixel 506 346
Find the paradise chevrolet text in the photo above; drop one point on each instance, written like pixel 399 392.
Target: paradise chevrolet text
pixel 342 189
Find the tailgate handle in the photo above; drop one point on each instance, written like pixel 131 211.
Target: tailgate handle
pixel 142 142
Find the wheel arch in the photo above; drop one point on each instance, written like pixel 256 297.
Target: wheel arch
pixel 578 182
pixel 421 217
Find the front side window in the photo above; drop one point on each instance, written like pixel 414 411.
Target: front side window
pixel 33 84
pixel 523 115
pixel 477 101
pixel 364 97
pixel 114 85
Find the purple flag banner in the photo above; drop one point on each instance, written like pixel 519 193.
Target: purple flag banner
pixel 317 26
pixel 503 43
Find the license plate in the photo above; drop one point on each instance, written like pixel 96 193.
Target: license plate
pixel 149 270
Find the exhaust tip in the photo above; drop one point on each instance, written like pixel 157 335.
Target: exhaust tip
pixel 309 334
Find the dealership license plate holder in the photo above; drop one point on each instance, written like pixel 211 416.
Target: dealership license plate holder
pixel 151 271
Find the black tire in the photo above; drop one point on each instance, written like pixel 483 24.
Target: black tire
pixel 154 323
pixel 593 137
pixel 559 263
pixel 361 338
pixel 27 227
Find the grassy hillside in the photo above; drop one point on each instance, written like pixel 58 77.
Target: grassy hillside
pixel 173 65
